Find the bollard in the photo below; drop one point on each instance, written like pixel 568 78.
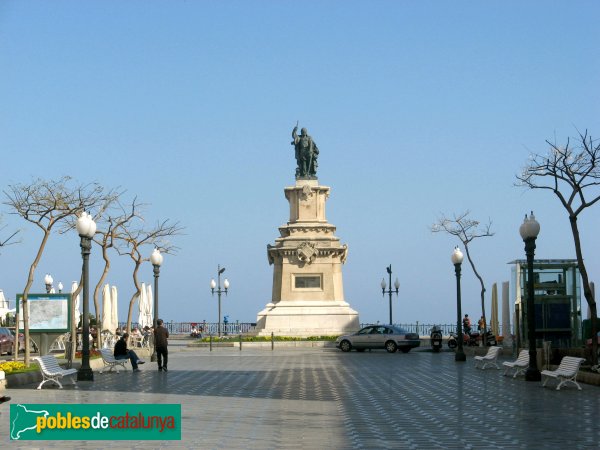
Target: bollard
pixel 240 342
pixel 272 341
pixel 210 342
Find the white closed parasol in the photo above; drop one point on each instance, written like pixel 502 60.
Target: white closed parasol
pixel 114 319
pixel 106 309
pixel 149 305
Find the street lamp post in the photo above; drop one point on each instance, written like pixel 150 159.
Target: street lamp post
pixel 457 259
pixel 529 231
pixel 48 280
pixel 86 227
pixel 156 259
pixel 214 285
pixel 390 291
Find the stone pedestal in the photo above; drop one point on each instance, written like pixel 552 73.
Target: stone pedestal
pixel 307 259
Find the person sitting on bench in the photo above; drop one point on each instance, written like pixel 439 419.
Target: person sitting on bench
pixel 122 352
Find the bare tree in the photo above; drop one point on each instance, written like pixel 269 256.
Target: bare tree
pixel 46 203
pixel 133 240
pixel 69 224
pixel 110 229
pixel 7 241
pixel 466 230
pixel 572 173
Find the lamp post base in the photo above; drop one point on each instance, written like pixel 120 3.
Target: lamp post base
pixel 85 374
pixel 533 375
pixel 460 357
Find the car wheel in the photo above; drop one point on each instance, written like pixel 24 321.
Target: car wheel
pixel 345 346
pixel 391 346
pixel 405 349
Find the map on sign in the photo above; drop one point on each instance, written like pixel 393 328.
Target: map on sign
pixel 47 312
pixel 23 420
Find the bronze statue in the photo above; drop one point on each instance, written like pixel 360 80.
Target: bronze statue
pixel 306 154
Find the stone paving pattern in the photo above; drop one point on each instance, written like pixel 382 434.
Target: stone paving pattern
pixel 325 399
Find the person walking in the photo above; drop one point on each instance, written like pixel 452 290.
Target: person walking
pixel 161 335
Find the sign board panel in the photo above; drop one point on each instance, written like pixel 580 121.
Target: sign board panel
pixel 48 313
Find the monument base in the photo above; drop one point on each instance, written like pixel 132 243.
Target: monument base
pixel 307 318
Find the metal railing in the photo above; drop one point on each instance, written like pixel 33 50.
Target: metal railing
pixel 424 329
pixel 204 327
pixel 212 328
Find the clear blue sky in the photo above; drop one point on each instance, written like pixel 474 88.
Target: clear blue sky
pixel 418 108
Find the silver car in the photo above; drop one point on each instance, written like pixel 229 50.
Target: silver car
pixel 386 337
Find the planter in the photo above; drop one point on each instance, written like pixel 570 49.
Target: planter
pixel 20 379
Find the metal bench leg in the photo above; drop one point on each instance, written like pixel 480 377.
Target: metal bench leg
pixel 545 379
pixel 567 380
pixel 50 379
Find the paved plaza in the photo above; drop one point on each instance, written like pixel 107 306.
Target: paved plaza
pixel 321 398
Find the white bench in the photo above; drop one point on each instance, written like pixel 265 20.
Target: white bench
pixel 565 373
pixel 521 364
pixel 110 361
pixel 51 371
pixel 491 358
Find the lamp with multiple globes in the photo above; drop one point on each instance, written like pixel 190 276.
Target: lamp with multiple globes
pixel 457 259
pixel 217 286
pixel 86 228
pixel 529 230
pixel 156 260
pixel 48 280
pixel 390 291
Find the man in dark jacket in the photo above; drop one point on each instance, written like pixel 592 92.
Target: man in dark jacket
pixel 121 352
pixel 161 335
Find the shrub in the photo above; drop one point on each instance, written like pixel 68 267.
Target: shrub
pixel 14 366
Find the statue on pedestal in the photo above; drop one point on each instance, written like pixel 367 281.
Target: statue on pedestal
pixel 306 152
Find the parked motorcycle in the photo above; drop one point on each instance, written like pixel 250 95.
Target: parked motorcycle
pixel 452 340
pixel 435 338
pixel 490 338
pixel 470 340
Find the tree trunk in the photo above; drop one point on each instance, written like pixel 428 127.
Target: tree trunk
pixel 587 290
pixel 96 295
pixel 483 337
pixel 26 292
pixel 135 295
pixel 73 338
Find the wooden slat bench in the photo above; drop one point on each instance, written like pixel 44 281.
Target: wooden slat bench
pixel 565 373
pixel 51 371
pixel 110 361
pixel 491 358
pixel 520 364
